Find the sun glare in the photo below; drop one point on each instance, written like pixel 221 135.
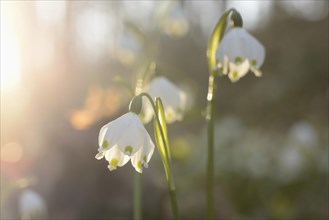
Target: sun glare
pixel 10 55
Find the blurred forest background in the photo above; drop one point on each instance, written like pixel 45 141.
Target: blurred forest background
pixel 59 61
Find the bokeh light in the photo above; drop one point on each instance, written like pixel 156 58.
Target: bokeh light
pixel 11 152
pixel 69 67
pixel 10 51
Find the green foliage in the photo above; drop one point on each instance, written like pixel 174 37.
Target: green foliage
pixel 161 136
pixel 215 37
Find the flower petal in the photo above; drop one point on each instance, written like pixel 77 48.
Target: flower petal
pixel 236 47
pixel 115 157
pixel 122 137
pixel 172 97
pixel 116 128
pixel 102 134
pixel 147 111
pixel 132 136
pixel 136 161
pixel 256 71
pixel 225 65
pixel 141 158
pixel 256 51
pixel 148 149
pixel 238 71
pixel 233 45
pixel 100 155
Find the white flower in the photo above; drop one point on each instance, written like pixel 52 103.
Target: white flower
pixel 173 100
pixel 125 138
pixel 31 205
pixel 238 52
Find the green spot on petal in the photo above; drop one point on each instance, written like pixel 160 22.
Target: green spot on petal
pixel 129 149
pixel 105 144
pixel 113 164
pixel 238 59
pixel 144 159
pixel 235 74
pixel 253 62
pixel 139 164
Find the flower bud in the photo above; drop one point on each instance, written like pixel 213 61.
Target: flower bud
pixel 237 19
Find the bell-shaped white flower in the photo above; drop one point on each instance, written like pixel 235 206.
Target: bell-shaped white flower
pixel 125 138
pixel 31 205
pixel 239 52
pixel 173 99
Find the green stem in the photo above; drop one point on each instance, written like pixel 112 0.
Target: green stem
pixel 213 43
pixel 210 162
pixel 174 205
pixel 173 199
pixel 170 178
pixel 137 196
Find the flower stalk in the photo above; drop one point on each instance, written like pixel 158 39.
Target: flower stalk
pixel 210 136
pixel 214 71
pixel 163 147
pixel 137 196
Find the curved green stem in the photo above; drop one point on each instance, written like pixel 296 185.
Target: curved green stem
pixel 158 121
pixel 169 174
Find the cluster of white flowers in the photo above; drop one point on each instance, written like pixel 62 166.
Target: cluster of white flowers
pixel 239 52
pixel 126 138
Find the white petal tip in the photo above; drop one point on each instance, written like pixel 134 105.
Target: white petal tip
pixel 257 73
pixel 233 79
pixel 99 156
pixel 111 168
pixel 145 165
pixel 139 170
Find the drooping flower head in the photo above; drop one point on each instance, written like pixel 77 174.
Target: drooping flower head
pixel 123 139
pixel 239 52
pixel 173 99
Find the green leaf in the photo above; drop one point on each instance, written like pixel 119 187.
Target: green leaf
pixel 161 136
pixel 213 42
pixel 162 118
